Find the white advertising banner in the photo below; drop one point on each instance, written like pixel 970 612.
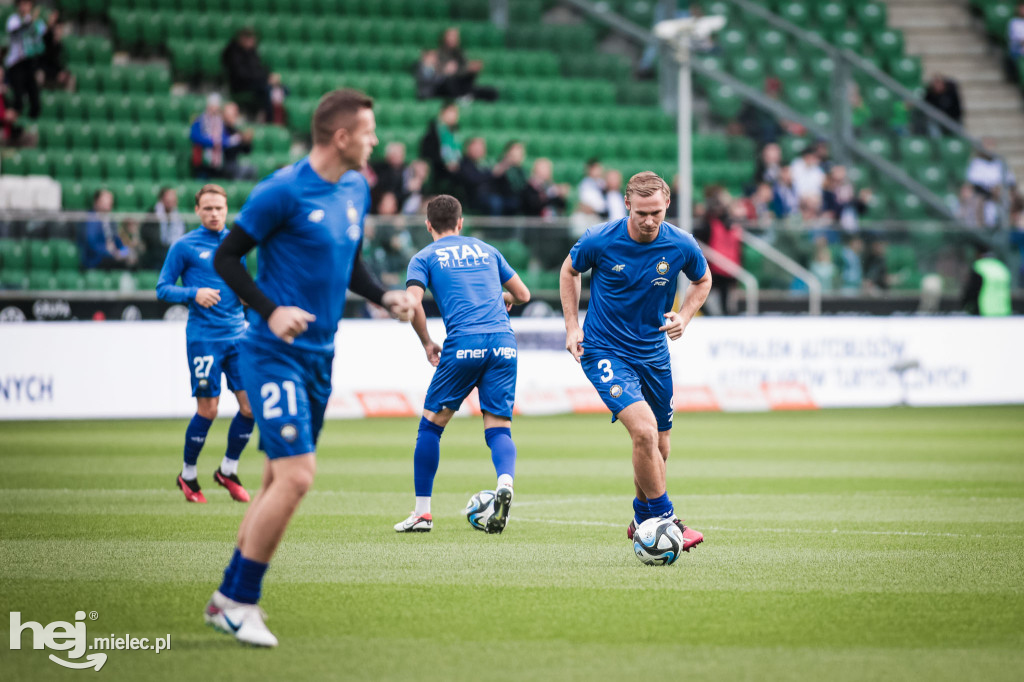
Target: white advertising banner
pixel 97 370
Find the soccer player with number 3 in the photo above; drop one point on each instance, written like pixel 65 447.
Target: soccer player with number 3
pixel 623 348
pixel 307 219
pixel 215 327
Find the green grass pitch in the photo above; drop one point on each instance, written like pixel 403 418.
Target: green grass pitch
pixel 840 545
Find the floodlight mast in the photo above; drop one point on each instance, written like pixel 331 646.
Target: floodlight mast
pixel 678 34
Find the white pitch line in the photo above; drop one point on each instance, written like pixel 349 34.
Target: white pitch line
pixel 834 531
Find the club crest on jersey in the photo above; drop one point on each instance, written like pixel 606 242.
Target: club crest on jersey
pixel 662 267
pixel 289 433
pixel 615 391
pixel 204 255
pixel 316 215
pixel 352 213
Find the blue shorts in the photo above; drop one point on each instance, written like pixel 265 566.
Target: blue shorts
pixel 623 382
pixel 485 361
pixel 207 360
pixel 288 389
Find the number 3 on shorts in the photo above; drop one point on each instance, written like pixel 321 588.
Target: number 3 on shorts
pixel 271 394
pixel 606 367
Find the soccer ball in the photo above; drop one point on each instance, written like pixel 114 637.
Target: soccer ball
pixel 479 508
pixel 658 542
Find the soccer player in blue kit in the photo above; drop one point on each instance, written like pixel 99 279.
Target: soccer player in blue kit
pixel 307 219
pixel 635 262
pixel 215 327
pixel 466 277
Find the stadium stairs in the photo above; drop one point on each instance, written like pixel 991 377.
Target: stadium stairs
pixel 951 42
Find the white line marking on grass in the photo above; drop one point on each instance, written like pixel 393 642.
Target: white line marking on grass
pixel 834 531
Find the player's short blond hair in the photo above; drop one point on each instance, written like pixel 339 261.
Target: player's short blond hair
pixel 646 183
pixel 210 189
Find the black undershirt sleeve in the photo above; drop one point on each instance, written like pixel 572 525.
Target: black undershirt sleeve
pixel 228 264
pixel 365 283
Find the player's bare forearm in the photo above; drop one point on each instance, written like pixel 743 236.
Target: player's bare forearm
pixel 569 287
pixel 517 292
pixel 419 317
pixel 695 296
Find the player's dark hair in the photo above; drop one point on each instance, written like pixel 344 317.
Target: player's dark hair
pixel 210 189
pixel 443 213
pixel 337 110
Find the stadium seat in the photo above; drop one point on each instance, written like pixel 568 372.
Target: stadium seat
pixel 99 280
pixel 830 15
pixel 795 12
pixel 41 280
pixel 907 70
pixel 888 44
pixel 954 152
pixel 878 144
pixel 771 42
pixel 70 281
pixel 915 151
pixel 750 70
pixel 870 16
pixel 732 42
pixel 12 255
pixel 13 279
pixel 40 255
pixel 933 176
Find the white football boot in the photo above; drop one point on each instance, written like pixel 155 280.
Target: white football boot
pixel 416 523
pixel 502 502
pixel 243 621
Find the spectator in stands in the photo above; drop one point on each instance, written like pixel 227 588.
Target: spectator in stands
pixel 808 176
pixel 840 202
pixel 510 178
pixel 477 180
pixel 1015 43
pixel 876 270
pixel 851 276
pixel 131 236
pixel 458 74
pixel 172 225
pixel 259 91
pixel 389 173
pixel 441 148
pixel 719 231
pixel 590 194
pixel 822 265
pixel 988 289
pixel 760 125
pixel 387 204
pixel 100 245
pixel 613 197
pixel 240 143
pixel 986 171
pixel 757 208
pixel 860 113
pixel 542 197
pixel 970 207
pixel 212 140
pixel 25 44
pixel 428 75
pixel 417 175
pixel 54 61
pixel 769 164
pixel 11 132
pixel 810 212
pixel 785 201
pixel 944 95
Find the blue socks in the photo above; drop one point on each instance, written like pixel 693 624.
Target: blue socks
pixel 503 450
pixel 641 510
pixel 426 457
pixel 195 438
pixel 660 507
pixel 243 579
pixel 238 435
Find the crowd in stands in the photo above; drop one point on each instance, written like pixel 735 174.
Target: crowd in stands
pixel 107 244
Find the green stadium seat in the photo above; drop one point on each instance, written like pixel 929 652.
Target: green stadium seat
pixel 909 206
pixel 42 280
pixel 771 42
pixel 13 255
pixel 870 15
pixel 13 279
pixel 879 100
pixel 888 44
pixel 915 151
pixel 934 177
pixel 40 255
pixel 830 15
pixel 997 17
pixel 38 163
pixel 792 146
pixel 70 281
pixel 878 144
pixel 803 97
pixel 99 280
pixel 733 42
pixel 849 39
pixel 749 70
pixel 724 101
pixel 795 12
pixel 145 280
pixel 786 68
pixel 954 152
pixel 907 70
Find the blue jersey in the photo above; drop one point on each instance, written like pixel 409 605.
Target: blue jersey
pixel 465 275
pixel 309 231
pixel 632 286
pixel 191 258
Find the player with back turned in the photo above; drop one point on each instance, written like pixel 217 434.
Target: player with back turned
pixel 214 330
pixel 307 220
pixel 622 347
pixel 466 277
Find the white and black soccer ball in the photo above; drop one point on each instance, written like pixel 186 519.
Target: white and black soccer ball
pixel 658 542
pixel 479 508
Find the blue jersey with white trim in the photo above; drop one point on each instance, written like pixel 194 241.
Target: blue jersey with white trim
pixel 466 277
pixel 309 233
pixel 632 286
pixel 191 258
